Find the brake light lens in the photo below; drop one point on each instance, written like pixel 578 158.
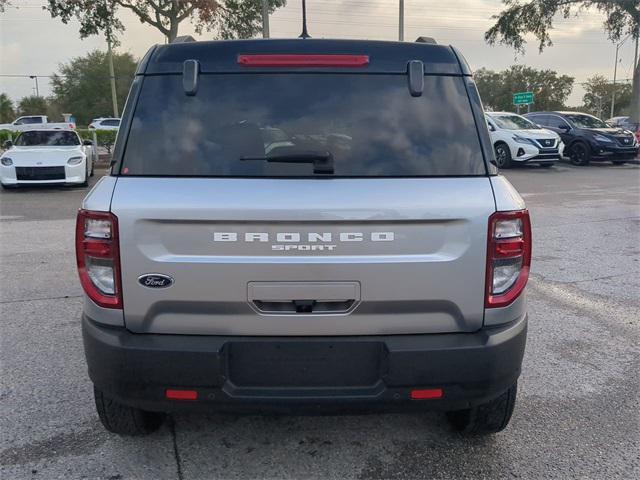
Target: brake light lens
pixel 508 257
pixel 98 257
pixel 293 60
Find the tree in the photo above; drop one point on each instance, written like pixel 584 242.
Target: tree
pixel 82 86
pixel 7 112
pixel 597 99
pixel 497 88
pixel 229 18
pixel 32 105
pixel 519 18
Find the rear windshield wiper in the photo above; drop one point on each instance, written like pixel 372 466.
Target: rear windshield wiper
pixel 322 161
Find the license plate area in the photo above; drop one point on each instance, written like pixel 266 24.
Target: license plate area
pixel 304 364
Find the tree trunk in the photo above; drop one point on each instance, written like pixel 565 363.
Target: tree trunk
pixel 173 30
pixel 635 96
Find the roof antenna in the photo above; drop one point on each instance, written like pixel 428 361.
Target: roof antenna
pixel 304 33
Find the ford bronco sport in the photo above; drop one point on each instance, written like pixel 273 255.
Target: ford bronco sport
pixel 311 225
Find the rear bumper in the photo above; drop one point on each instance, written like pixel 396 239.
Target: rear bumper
pixel 331 373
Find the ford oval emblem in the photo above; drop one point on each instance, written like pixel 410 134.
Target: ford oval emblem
pixel 155 280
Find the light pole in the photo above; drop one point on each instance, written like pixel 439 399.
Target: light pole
pixel 401 21
pixel 35 77
pixel 615 76
pixel 112 79
pixel 265 19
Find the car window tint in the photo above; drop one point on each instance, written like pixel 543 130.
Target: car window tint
pixel 369 125
pixel 31 120
pixel 539 119
pixel 36 138
pixel 556 122
pixel 586 121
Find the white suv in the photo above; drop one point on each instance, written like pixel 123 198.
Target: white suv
pixel 518 140
pixel 105 124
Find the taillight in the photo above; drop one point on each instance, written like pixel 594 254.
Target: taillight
pixel 98 257
pixel 508 257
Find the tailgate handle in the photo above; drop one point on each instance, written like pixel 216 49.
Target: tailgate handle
pixel 304 306
pixel 303 297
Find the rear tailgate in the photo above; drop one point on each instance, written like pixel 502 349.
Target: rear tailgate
pixel 304 256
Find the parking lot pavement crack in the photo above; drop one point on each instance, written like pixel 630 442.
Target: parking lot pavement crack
pixel 176 452
pixel 597 306
pixel 617 219
pixel 39 299
pixel 573 282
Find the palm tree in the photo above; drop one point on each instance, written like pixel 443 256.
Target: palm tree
pixel 7 113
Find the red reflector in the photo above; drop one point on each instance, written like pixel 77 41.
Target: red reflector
pixel 97 248
pixel 292 60
pixel 181 394
pixel 510 248
pixel 426 394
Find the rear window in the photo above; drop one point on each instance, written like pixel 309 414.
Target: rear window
pixel 56 139
pixel 287 125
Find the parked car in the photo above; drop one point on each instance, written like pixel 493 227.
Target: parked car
pixel 36 122
pixel 627 124
pixel 105 124
pixel 517 140
pixel 378 261
pixel 617 121
pixel 46 157
pixel 588 138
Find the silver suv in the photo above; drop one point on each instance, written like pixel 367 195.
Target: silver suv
pixel 303 224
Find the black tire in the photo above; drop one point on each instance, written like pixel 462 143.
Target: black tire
pixel 93 167
pixel 125 420
pixel 490 417
pixel 580 154
pixel 546 164
pixel 86 176
pixel 618 162
pixel 503 155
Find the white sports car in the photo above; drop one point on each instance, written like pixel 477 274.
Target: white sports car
pixel 46 157
pixel 517 140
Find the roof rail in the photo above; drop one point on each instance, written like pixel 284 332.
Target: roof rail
pixel 426 40
pixel 184 39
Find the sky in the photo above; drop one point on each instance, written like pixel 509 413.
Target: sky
pixel 32 43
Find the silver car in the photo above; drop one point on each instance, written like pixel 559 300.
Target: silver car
pixel 374 260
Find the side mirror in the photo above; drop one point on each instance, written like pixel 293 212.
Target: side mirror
pixel 88 143
pixel 8 144
pixel 491 127
pixel 564 128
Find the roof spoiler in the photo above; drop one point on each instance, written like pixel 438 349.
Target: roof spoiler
pixel 184 39
pixel 426 40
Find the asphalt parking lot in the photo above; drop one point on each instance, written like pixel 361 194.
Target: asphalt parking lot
pixel 576 417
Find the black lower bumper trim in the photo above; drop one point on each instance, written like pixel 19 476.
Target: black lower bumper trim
pixel 334 373
pixel 614 153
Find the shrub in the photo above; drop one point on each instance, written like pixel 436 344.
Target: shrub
pixel 105 138
pixel 6 135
